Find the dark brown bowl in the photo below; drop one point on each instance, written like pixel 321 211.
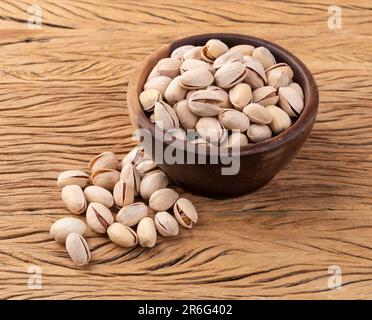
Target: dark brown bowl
pixel 259 162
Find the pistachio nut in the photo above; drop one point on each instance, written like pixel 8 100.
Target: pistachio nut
pixel 265 96
pixel 290 101
pixel 131 176
pixel 78 249
pixel 175 133
pixel 224 96
pixel 166 225
pixel 298 88
pixel 99 194
pixel 153 74
pixel 151 182
pixel 146 232
pixel 280 66
pixel 163 199
pixel 68 177
pixel 124 193
pixel 235 140
pixel 230 74
pixel 281 120
pixel 148 98
pixel 185 212
pixel 228 57
pixel 180 51
pixel 105 178
pixel 63 227
pixel 213 49
pixel 121 235
pixel 146 166
pixel 196 79
pixel 206 103
pixel 99 217
pixel 257 113
pixel 189 93
pixel 192 64
pixel 187 118
pixel 105 160
pixel 165 117
pixel 265 56
pixel 193 53
pixel 255 76
pixel 232 119
pixel 278 78
pixel 210 129
pixel 200 141
pixel 175 92
pixel 135 156
pixel 244 49
pixel 258 132
pixel 159 83
pixel 169 67
pixel 132 214
pixel 74 199
pixel 240 95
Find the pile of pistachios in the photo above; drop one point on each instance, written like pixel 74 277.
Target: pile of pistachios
pixel 229 96
pixel 116 197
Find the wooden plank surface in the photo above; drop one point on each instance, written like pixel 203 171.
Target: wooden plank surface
pixel 63 100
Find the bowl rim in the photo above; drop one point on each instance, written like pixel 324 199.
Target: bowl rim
pixel 309 86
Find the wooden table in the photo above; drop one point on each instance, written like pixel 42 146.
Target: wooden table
pixel 63 100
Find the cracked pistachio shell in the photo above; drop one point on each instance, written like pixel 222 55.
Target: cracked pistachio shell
pixel 99 194
pixel 163 199
pixel 298 88
pixel 210 129
pixel 283 67
pixel 166 225
pixel 74 199
pixel 244 49
pixel 213 49
pixel 196 79
pixel 185 213
pixel 105 178
pixel 148 99
pixel 230 74
pixel 179 52
pixel 265 96
pixel 159 83
pixel 106 160
pixel 76 177
pixel 131 176
pixel 169 67
pixel 206 103
pixel 281 120
pixel 63 227
pixel 228 57
pixel 187 118
pixel 256 76
pixel 240 95
pixel 258 132
pixel 265 56
pixel 290 101
pixel 200 141
pixel 99 217
pixel 236 140
pixel 232 119
pixel 165 117
pixel 124 193
pixel 151 182
pixel 257 113
pixel 121 235
pixel 175 133
pixel 224 95
pixel 146 166
pixel 192 64
pixel 135 156
pixel 278 78
pixel 130 215
pixel 194 53
pixel 146 232
pixel 175 92
pixel 78 249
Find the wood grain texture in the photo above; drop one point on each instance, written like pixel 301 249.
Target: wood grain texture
pixel 62 100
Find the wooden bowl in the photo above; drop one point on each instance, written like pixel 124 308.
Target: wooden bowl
pixel 259 162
